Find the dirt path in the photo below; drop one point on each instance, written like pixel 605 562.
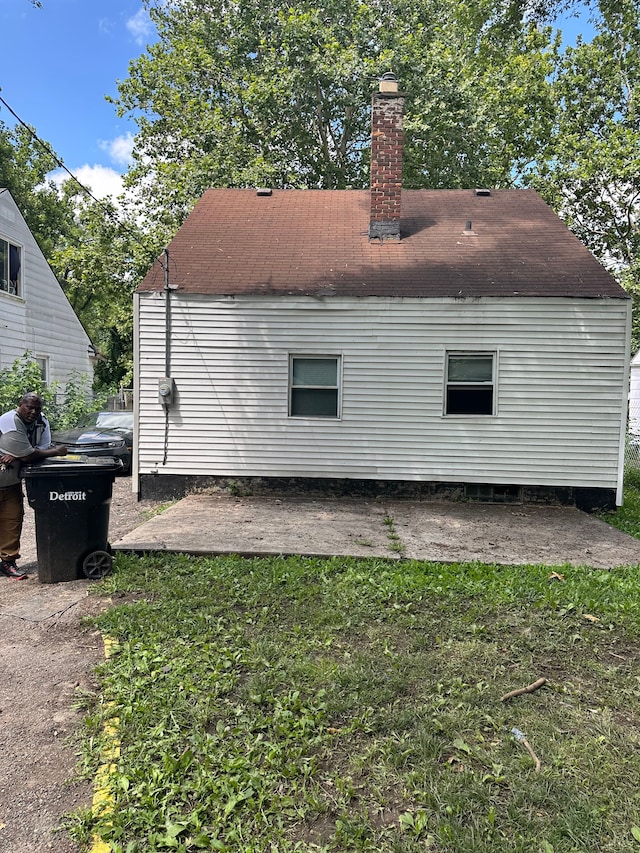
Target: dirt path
pixel 46 656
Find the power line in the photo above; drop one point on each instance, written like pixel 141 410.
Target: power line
pixel 54 156
pixel 46 147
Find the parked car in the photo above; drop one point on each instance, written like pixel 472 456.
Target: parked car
pixel 101 434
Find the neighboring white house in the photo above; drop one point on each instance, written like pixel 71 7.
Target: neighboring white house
pixel 35 314
pixel 457 342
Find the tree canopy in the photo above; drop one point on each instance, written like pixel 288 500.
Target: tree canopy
pixel 24 167
pixel 96 255
pixel 589 171
pixel 246 94
pixel 99 264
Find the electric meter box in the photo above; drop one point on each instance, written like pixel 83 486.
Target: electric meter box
pixel 166 391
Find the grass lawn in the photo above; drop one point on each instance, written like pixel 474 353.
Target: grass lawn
pixel 275 705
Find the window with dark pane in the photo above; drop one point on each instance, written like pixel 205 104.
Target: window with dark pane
pixel 10 264
pixel 470 384
pixel 314 387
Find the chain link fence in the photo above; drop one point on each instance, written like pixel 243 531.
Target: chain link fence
pixel 121 401
pixel 632 447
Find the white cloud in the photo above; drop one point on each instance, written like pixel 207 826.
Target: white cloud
pixel 119 149
pixel 140 27
pixel 100 180
pixel 105 25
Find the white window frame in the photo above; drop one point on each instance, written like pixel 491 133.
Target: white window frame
pixel 491 383
pixel 43 363
pixel 337 387
pixel 5 282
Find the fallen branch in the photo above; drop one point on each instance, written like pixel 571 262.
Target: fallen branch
pixel 528 689
pixel 519 736
pixel 613 654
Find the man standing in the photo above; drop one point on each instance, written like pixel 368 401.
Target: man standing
pixel 25 436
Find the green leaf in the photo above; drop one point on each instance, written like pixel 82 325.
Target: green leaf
pixel 174 829
pixel 462 746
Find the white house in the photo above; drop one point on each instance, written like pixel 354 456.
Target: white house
pixel 35 314
pixel 455 342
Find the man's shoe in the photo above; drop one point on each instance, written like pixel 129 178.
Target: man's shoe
pixel 9 568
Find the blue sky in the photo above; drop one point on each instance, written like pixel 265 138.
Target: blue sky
pixel 59 62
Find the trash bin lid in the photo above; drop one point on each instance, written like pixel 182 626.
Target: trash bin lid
pixel 73 463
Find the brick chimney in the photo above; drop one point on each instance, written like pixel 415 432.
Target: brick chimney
pixel 386 160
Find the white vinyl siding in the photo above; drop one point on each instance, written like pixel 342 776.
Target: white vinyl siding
pixel 561 396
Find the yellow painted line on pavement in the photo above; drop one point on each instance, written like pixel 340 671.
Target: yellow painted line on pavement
pixel 103 805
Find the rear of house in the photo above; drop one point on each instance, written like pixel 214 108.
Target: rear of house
pixel 455 342
pixel 36 316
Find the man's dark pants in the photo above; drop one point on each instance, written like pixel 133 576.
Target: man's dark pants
pixel 11 517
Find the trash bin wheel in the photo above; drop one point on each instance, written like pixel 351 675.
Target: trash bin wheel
pixel 97 565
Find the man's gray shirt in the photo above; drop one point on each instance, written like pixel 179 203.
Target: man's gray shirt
pixel 14 439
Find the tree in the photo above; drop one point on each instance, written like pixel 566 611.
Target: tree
pixel 247 93
pixel 25 164
pixel 590 169
pixel 99 264
pixel 96 256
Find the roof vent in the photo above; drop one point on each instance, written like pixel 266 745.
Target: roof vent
pixel 481 191
pixel 264 191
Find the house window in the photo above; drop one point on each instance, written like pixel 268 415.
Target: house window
pixel 43 364
pixel 10 265
pixel 314 386
pixel 470 383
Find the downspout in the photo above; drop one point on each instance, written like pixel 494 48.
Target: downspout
pixel 167 348
pixel 624 415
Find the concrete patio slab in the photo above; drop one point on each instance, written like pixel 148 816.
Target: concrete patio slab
pixel 428 530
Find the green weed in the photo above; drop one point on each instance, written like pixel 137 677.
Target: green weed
pixel 395 542
pixel 627 516
pixel 157 510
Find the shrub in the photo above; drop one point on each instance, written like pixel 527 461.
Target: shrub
pixel 63 408
pixel 24 375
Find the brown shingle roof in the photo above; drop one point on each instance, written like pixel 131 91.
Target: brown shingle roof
pixel 315 242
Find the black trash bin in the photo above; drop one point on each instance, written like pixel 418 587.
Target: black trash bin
pixel 71 497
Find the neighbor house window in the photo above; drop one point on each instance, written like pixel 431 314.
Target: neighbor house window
pixel 10 265
pixel 43 364
pixel 314 386
pixel 470 383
